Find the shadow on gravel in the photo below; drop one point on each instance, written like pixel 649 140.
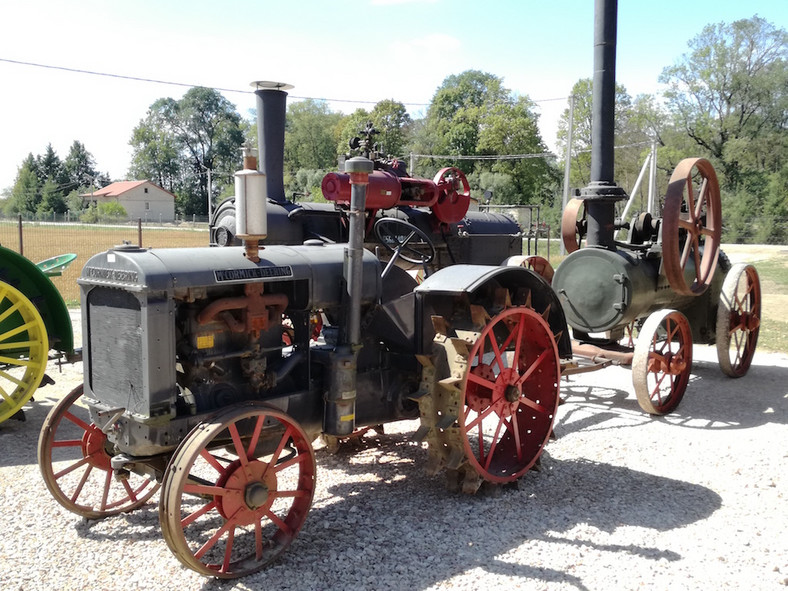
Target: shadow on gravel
pixel 712 400
pixel 19 439
pixel 428 534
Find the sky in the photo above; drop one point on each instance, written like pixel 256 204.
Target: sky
pixel 342 50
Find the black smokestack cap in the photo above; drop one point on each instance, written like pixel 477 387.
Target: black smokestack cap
pixel 271 111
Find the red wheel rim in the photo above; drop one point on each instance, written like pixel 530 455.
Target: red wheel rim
pixel 663 362
pixel 454 195
pixel 739 320
pixel 510 395
pixel 74 461
pixel 573 225
pixel 234 498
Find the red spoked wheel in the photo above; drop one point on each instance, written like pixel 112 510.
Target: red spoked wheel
pixel 573 224
pixel 74 459
pixel 662 361
pixel 738 320
pixel 510 394
pixel 237 491
pixel 691 226
pixel 454 195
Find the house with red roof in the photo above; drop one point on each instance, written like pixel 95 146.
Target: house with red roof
pixel 141 200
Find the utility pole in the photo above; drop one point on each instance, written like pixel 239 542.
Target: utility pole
pixel 568 158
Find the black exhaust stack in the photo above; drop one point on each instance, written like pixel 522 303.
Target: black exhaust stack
pixel 271 111
pixel 602 193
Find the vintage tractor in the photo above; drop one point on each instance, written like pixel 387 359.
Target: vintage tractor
pixel 668 281
pixel 34 321
pixel 204 375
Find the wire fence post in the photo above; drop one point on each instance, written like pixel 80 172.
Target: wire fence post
pixel 21 246
pixel 139 232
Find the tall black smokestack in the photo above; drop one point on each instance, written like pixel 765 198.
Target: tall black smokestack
pixel 602 192
pixel 271 110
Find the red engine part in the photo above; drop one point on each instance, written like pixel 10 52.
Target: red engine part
pixel 448 195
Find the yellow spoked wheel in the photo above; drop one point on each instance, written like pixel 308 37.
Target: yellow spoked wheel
pixel 24 350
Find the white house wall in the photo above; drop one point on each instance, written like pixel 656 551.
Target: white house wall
pixel 161 205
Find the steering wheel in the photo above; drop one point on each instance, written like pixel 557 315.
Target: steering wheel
pixel 405 240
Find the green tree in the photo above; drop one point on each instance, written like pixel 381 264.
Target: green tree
pixel 26 191
pixel 79 169
pixel 178 142
pixel 311 136
pixel 49 166
pixel 52 199
pixel 730 95
pixel 391 119
pixel 582 91
pixel 473 114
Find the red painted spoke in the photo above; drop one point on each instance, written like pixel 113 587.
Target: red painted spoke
pixel 77 421
pixel 82 482
pixel 132 496
pixel 258 540
pixel 67 443
pixel 481 381
pixel 286 529
pixel 481 416
pixel 105 493
pixel 206 455
pixel 518 344
pixel 524 400
pixel 512 333
pixel 204 489
pixel 300 458
pixel 279 448
pixel 198 513
pixel 240 450
pixel 529 372
pixel 493 445
pixel 294 494
pixel 215 538
pixel 72 467
pixel 258 426
pixel 514 427
pixel 228 551
pixel 496 351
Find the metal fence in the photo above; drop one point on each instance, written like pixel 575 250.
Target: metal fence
pixel 40 240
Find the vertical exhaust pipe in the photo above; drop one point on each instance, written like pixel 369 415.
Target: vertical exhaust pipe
pixel 602 192
pixel 271 111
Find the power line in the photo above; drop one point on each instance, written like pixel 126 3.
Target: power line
pixel 233 90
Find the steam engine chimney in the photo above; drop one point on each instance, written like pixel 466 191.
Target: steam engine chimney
pixel 602 192
pixel 271 110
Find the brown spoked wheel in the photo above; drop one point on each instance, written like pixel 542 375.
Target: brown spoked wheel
pixel 237 490
pixel 74 459
pixel 691 226
pixel 738 319
pixel 573 224
pixel 662 361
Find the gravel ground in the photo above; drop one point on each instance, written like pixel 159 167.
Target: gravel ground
pixel 695 500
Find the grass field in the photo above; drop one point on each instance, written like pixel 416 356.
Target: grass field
pixel 42 241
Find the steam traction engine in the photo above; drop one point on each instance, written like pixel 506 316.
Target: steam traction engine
pixel 204 374
pixel 659 282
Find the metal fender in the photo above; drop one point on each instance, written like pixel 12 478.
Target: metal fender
pixel 23 274
pixel 468 279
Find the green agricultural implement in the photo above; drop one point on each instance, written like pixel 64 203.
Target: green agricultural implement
pixel 34 322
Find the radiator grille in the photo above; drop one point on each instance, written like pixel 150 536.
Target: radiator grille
pixel 115 348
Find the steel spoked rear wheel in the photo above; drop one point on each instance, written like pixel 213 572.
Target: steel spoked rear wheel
pixel 662 361
pixel 24 350
pixel 738 320
pixel 75 463
pixel 237 491
pixel 510 394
